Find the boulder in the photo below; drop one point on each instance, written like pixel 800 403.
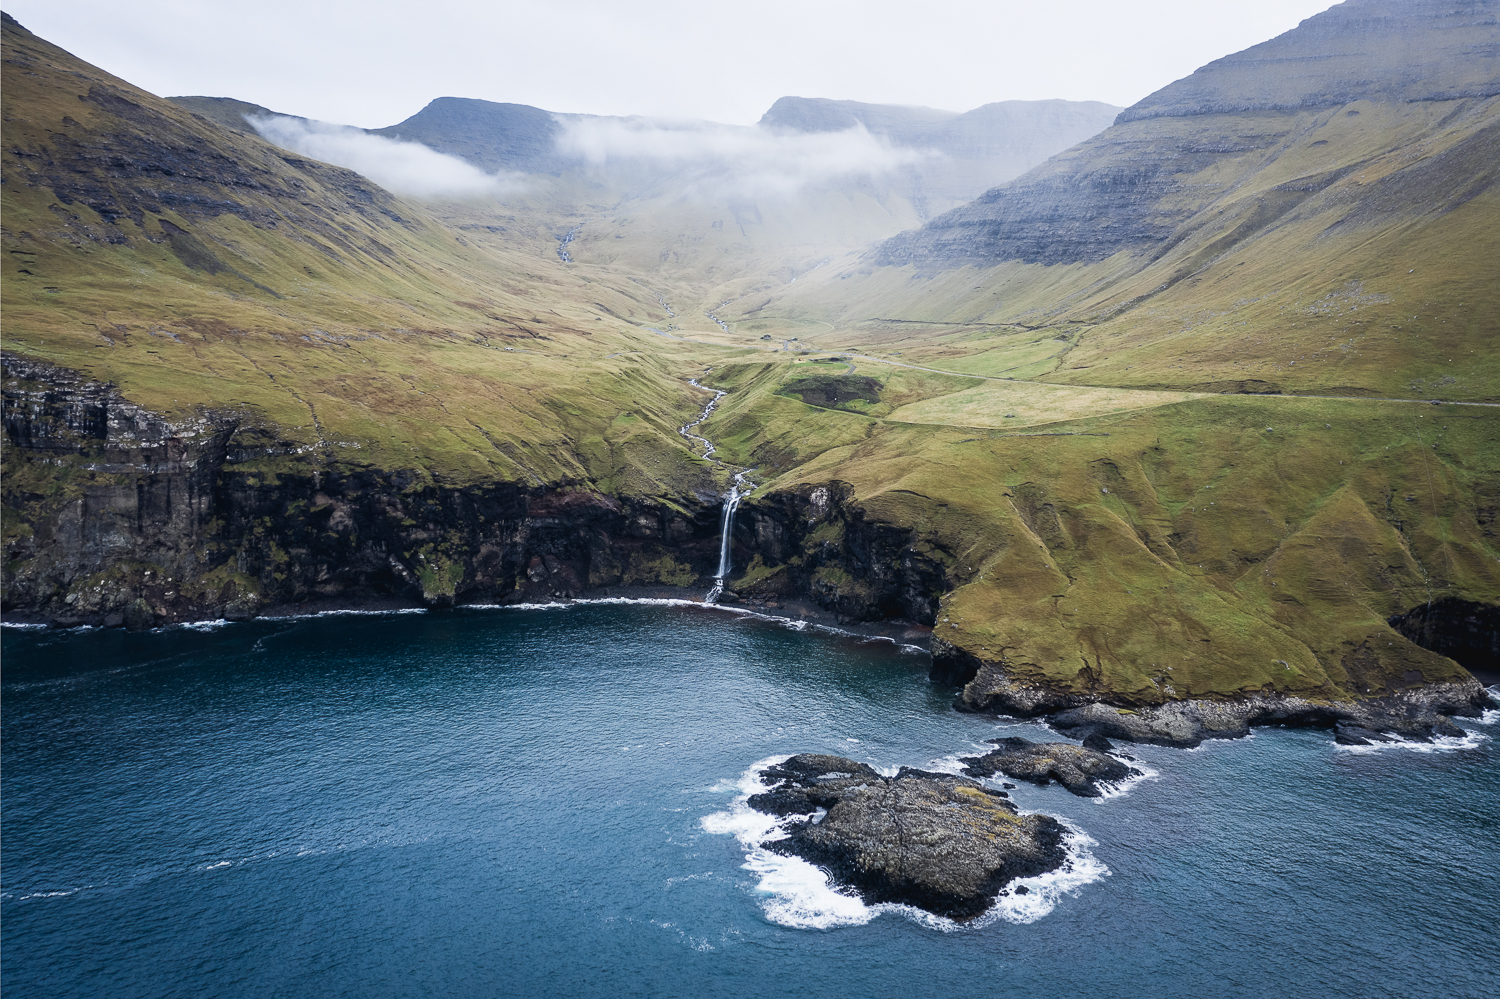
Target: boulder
pixel 1074 767
pixel 138 615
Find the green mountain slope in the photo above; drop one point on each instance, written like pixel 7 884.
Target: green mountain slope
pixel 197 268
pixel 1344 245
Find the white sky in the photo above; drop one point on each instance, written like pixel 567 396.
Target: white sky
pixel 375 62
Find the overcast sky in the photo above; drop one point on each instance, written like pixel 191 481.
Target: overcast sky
pixel 375 62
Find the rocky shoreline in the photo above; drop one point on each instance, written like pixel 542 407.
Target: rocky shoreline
pixel 1419 713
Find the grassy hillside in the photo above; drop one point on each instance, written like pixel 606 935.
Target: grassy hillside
pixel 1204 544
pixel 1353 257
pixel 1121 461
pixel 199 268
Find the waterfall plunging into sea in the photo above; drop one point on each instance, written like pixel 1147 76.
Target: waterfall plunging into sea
pixel 739 488
pixel 726 534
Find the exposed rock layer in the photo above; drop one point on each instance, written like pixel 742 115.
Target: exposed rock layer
pixel 1138 184
pixel 1383 50
pixel 110 507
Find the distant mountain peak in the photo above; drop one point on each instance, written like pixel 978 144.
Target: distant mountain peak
pixel 1381 50
pixel 491 135
pixel 821 114
pixel 1136 185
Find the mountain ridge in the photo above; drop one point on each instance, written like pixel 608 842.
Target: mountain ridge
pixel 1132 185
pixel 1442 50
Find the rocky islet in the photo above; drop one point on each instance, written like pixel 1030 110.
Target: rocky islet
pixel 939 842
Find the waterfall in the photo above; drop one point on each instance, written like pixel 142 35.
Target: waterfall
pixel 739 488
pixel 726 533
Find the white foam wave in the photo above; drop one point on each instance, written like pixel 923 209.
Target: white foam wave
pixel 953 763
pixel 48 894
pixel 222 863
pixel 1440 744
pixel 553 605
pixel 344 613
pixel 801 896
pixel 1045 891
pixel 22 626
pixel 213 625
pixel 1123 788
pixel 795 624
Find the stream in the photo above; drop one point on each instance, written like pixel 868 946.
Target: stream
pixel 739 488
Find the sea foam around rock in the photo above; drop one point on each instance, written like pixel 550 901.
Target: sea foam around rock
pixel 799 894
pixel 1439 744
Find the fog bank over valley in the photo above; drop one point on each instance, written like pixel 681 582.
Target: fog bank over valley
pixel 405 168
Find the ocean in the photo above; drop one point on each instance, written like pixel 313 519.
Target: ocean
pixel 549 801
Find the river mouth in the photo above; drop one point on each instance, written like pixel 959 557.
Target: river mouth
pixel 522 802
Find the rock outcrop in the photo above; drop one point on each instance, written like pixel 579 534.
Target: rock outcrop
pixel 1079 769
pixel 1466 631
pixel 938 842
pixel 815 540
pixel 1420 713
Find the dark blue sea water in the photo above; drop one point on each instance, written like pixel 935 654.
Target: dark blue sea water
pixel 543 803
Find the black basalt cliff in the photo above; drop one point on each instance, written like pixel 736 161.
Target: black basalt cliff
pixel 114 514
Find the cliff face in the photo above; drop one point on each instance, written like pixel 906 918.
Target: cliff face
pixel 816 541
pixel 116 515
pixel 1360 50
pixel 1164 164
pixel 108 503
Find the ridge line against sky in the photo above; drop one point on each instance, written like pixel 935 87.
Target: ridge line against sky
pixel 373 63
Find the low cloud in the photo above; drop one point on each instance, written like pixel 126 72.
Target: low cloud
pixel 405 168
pixel 726 159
